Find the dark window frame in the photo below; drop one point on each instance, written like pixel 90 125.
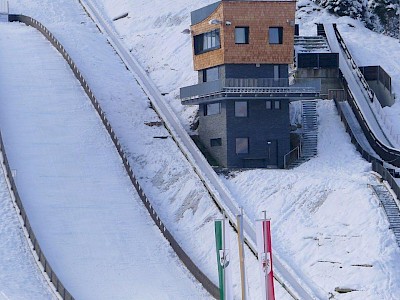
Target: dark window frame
pixel 280 35
pixel 268 104
pixel 277 104
pixel 246 35
pixel 206 77
pixel 212 113
pixel 200 41
pixel 217 142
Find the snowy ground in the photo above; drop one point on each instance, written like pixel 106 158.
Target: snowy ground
pixel 88 219
pixel 313 196
pixel 325 202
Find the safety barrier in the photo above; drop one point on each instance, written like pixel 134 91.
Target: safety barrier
pixel 377 164
pixel 191 266
pixel 388 154
pixel 65 294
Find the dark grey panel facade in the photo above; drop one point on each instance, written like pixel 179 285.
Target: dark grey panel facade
pixel 261 126
pixel 253 71
pixel 203 13
pixel 267 130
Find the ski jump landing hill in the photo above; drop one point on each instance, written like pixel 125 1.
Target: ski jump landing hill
pixel 94 211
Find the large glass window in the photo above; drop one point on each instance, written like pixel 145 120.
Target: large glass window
pixel 240 108
pixel 241 35
pixel 212 109
pixel 275 35
pixel 268 104
pixel 277 104
pixel 242 145
pixel 207 41
pixel 210 74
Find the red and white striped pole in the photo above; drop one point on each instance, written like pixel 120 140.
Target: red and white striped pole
pixel 264 247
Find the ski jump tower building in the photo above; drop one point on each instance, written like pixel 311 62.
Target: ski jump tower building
pixel 242 51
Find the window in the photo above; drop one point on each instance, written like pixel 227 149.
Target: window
pixel 210 74
pixel 268 104
pixel 212 109
pixel 240 108
pixel 242 145
pixel 206 42
pixel 276 72
pixel 277 104
pixel 276 35
pixel 216 142
pixel 241 35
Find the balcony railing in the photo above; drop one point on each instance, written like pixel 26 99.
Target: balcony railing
pixel 245 86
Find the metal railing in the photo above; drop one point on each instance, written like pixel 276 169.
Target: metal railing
pixel 183 256
pixel 388 154
pixel 250 86
pixel 377 164
pixel 291 157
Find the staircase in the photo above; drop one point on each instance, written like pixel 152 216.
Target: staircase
pixel 310 44
pixel 309 138
pixel 310 129
pixel 391 209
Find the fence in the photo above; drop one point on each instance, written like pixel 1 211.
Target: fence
pixel 191 266
pixel 318 60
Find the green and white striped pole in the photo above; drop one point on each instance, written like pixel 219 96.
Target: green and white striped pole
pixel 223 260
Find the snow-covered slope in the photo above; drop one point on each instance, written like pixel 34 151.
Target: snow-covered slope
pixel 86 215
pixel 327 199
pixel 314 204
pixel 20 277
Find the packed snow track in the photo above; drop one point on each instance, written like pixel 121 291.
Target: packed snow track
pixel 87 217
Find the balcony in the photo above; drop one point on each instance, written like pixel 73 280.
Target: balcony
pixel 298 89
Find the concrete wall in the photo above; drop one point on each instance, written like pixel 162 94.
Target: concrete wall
pixel 258 16
pixel 212 127
pixel 329 78
pixel 384 96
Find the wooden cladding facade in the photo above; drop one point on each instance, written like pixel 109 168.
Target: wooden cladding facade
pixel 259 16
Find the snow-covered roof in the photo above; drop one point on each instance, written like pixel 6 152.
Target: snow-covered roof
pixel 4 7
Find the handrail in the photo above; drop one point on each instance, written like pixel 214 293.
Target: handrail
pixel 288 158
pixel 183 256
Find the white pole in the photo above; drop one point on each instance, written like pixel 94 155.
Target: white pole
pixel 239 219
